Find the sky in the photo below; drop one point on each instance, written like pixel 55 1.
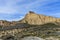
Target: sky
pixel 13 10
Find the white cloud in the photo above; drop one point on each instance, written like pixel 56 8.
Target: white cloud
pixel 16 19
pixel 10 6
pixel 54 14
pixel 8 10
pixel 7 6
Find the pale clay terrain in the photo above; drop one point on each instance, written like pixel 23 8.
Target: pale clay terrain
pixel 37 38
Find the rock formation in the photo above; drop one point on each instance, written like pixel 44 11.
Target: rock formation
pixel 37 19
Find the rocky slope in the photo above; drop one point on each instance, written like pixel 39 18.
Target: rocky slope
pixel 37 19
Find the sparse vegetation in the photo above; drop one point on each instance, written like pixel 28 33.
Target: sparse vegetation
pixel 42 31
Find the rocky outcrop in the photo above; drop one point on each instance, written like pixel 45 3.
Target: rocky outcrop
pixel 32 38
pixel 4 23
pixel 37 19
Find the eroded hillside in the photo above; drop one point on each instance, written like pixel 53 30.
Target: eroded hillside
pixel 32 25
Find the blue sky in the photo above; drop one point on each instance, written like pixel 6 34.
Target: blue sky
pixel 16 9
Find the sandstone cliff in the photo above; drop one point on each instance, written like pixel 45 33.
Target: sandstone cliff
pixel 37 19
